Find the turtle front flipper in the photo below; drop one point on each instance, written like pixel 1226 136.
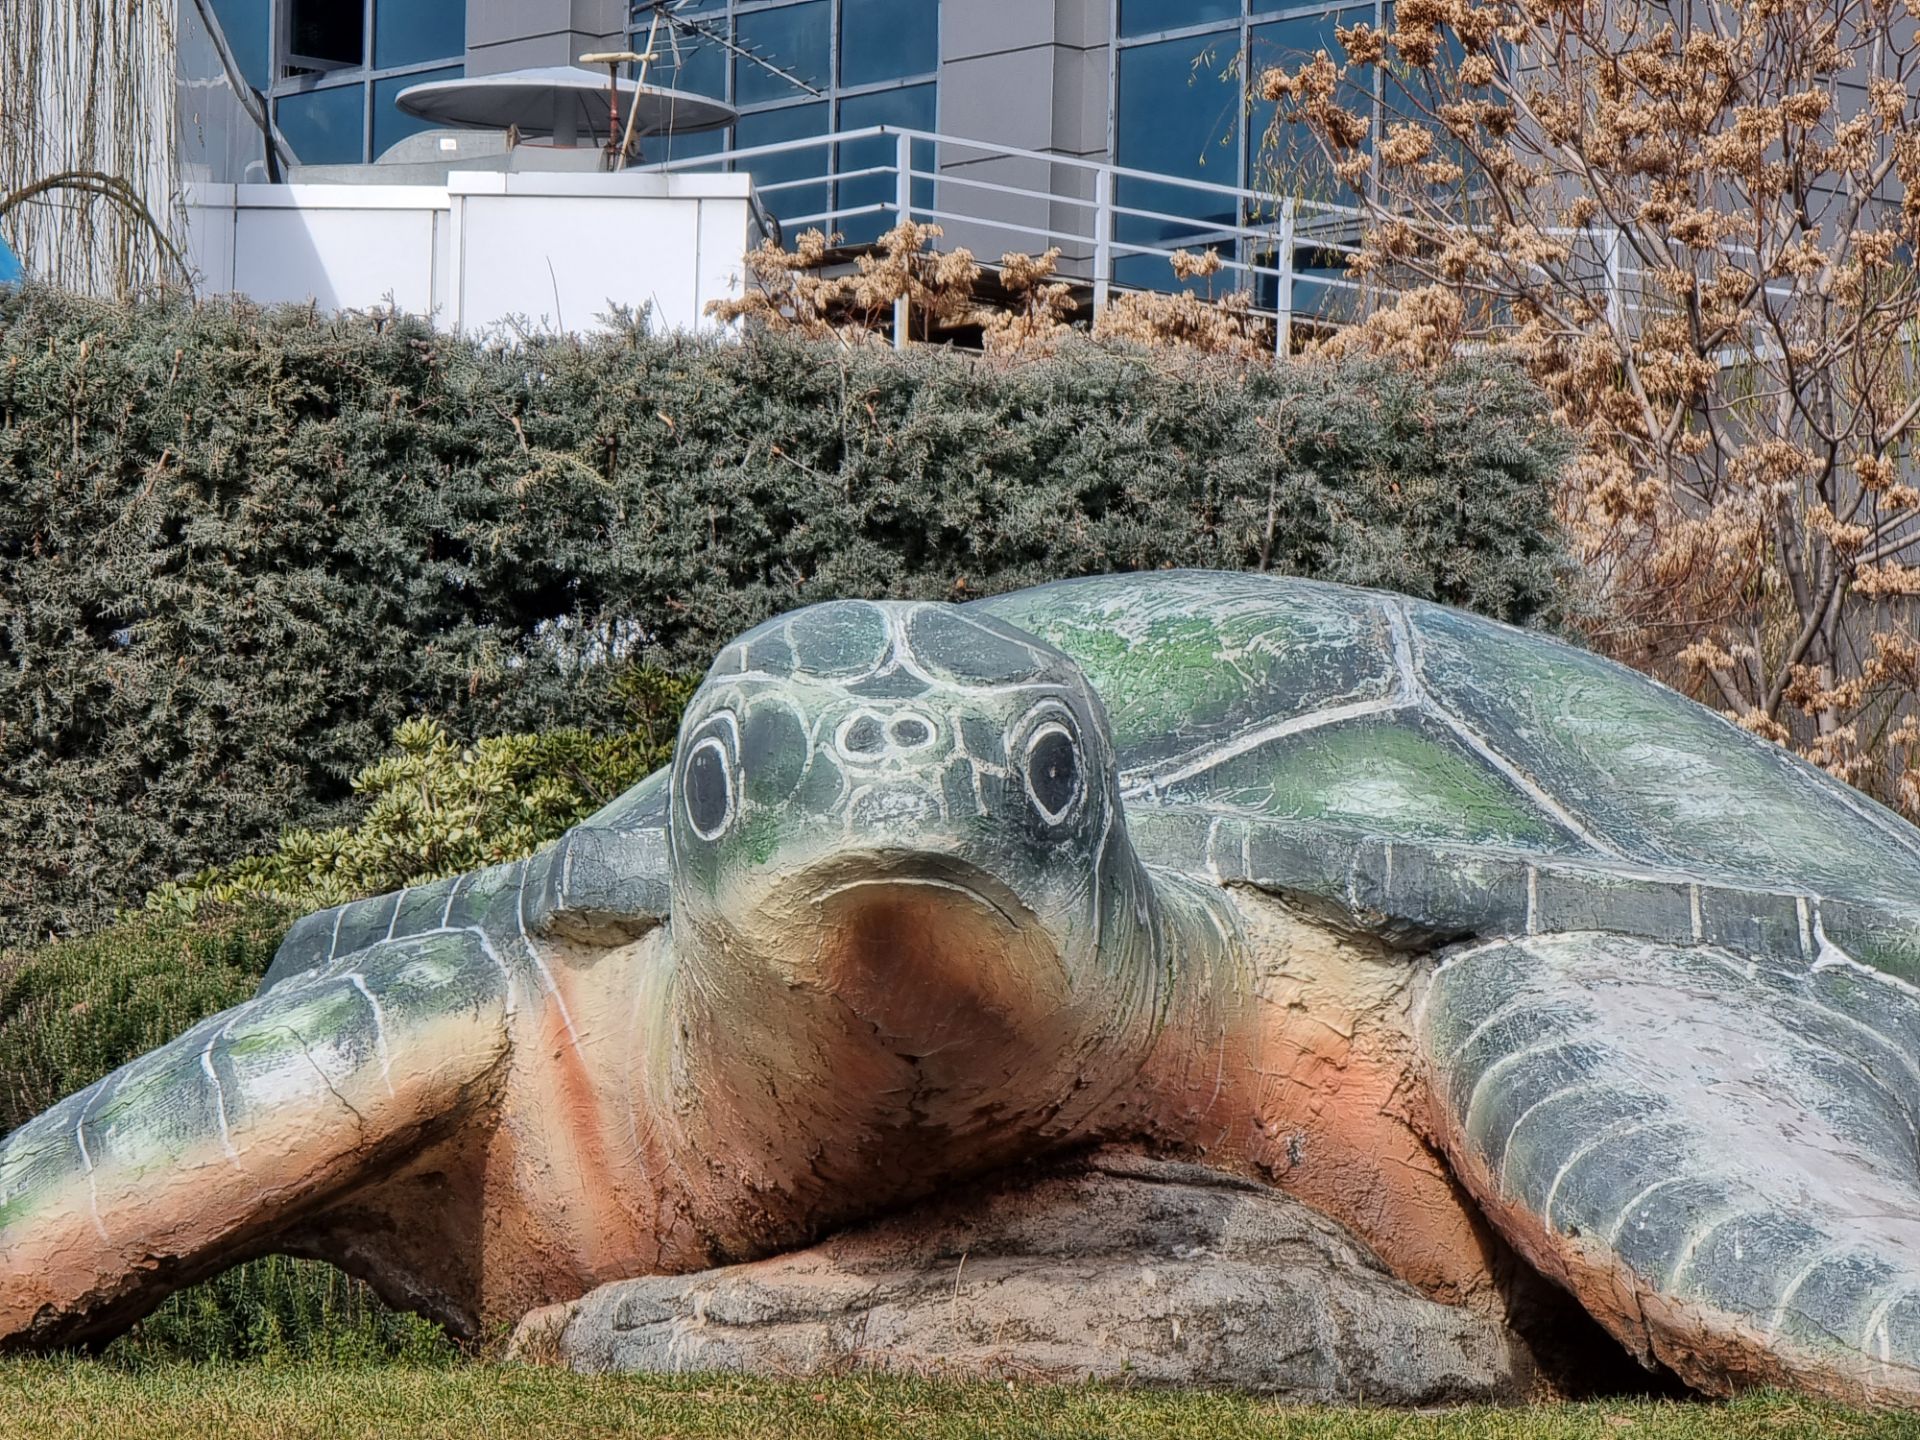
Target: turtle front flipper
pixel 1716 1154
pixel 240 1132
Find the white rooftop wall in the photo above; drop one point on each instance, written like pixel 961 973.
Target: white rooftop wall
pixel 486 250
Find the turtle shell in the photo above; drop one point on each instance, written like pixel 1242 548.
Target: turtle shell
pixel 1269 702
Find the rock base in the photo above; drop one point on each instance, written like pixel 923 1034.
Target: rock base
pixel 1118 1269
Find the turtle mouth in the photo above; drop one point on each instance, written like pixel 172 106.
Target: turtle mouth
pixel 884 885
pixel 935 957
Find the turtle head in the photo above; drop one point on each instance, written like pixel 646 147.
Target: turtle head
pixel 912 812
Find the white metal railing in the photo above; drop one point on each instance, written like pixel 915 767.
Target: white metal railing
pixel 1113 224
pixel 1108 220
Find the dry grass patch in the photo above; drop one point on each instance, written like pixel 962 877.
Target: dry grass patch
pixel 52 1400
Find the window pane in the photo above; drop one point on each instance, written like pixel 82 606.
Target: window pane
pixel 795 38
pixel 911 108
pixel 888 40
pixel 391 124
pixel 244 23
pixel 1144 17
pixel 412 32
pixel 1288 161
pixel 686 147
pixel 769 127
pixel 326 32
pixel 690 62
pixel 1178 113
pixel 325 127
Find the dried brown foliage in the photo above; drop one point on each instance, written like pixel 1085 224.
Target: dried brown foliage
pixel 787 291
pixel 1037 321
pixel 1697 224
pixel 1185 320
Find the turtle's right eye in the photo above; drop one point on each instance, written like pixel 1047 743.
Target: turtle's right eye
pixel 1053 772
pixel 708 787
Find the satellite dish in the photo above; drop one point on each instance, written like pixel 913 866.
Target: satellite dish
pixel 560 101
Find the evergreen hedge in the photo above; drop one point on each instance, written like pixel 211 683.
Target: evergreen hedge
pixel 239 547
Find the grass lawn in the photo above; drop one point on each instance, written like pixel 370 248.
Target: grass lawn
pixel 51 1399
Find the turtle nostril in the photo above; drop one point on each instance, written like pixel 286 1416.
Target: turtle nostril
pixel 862 737
pixel 911 732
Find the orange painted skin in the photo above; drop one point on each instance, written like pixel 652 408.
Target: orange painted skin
pixel 1311 1084
pixel 646 1118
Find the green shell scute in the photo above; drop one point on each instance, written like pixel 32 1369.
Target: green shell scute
pixel 1296 702
pixel 1414 778
pixel 1654 776
pixel 1188 659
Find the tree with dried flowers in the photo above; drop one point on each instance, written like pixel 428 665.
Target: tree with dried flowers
pixel 789 290
pixel 1697 223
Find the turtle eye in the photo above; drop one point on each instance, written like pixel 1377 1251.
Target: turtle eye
pixel 708 787
pixel 1053 772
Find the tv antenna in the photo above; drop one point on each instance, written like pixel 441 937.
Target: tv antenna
pixel 677 25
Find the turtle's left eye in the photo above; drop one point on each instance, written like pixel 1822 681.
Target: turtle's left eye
pixel 709 789
pixel 1053 772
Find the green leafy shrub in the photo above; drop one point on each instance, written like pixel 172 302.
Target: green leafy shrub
pixel 74 1010
pixel 433 809
pixel 238 548
pixel 281 1309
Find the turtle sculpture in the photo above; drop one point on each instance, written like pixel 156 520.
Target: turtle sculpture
pixel 1450 930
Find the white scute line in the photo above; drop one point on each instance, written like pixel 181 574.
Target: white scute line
pixel 533 952
pixel 1504 1063
pixel 1400 626
pixel 359 982
pixel 1521 781
pixel 1877 1325
pixel 219 1102
pixel 93 1187
pixel 1821 1257
pixel 1696 1240
pixel 1626 1211
pixel 1632 1125
pixel 1829 956
pixel 1138 782
pixel 1506 1149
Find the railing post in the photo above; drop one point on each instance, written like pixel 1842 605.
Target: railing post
pixel 903 213
pixel 1102 240
pixel 1283 296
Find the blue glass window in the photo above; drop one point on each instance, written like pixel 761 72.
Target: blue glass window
pixel 325 127
pixel 770 127
pixel 391 124
pixel 884 40
pixel 1178 110
pixel 694 63
pixel 912 108
pixel 246 25
pixel 1288 161
pixel 326 34
pixel 795 38
pixel 412 32
pixel 1147 17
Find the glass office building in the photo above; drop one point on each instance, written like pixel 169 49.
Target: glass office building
pixel 331 68
pixel 801 68
pixel 1154 85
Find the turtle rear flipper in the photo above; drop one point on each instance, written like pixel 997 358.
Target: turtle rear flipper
pixel 247 1127
pixel 1717 1155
